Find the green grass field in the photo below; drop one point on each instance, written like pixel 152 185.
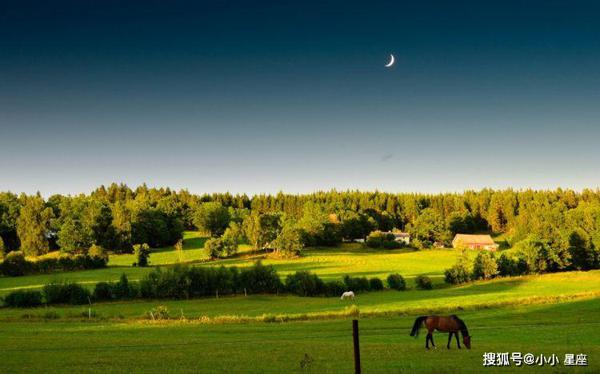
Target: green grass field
pixel 508 291
pixel 280 347
pixel 328 263
pixel 552 313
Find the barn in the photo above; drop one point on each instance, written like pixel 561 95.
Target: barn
pixel 474 242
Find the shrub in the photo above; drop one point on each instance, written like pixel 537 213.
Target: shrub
pixel 23 299
pixel 260 279
pixel 391 244
pixel 142 252
pixel 334 288
pixel 375 284
pixel 46 265
pixel 182 282
pixel 123 289
pixel 485 266
pixel 66 293
pixel 221 247
pixel 207 281
pixel 172 283
pixel 356 283
pixel 303 283
pixel 379 239
pixel 97 252
pixel 457 274
pixel 66 263
pixel 15 264
pixel 103 291
pixel 508 266
pixel 396 282
pixel 158 313
pixel 423 282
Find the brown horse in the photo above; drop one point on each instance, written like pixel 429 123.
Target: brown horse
pixel 451 324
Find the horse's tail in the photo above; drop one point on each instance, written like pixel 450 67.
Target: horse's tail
pixel 417 325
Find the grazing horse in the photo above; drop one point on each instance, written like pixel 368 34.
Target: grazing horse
pixel 451 324
pixel 347 294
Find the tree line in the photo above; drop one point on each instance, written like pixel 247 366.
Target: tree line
pixel 182 282
pixel 118 217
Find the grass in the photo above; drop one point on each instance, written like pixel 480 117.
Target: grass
pixel 552 313
pixel 328 263
pixel 508 291
pixel 193 250
pixel 54 346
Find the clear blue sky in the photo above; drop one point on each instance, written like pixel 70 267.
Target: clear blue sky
pixel 293 96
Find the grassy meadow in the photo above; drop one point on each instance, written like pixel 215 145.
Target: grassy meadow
pixel 570 327
pixel 328 263
pixel 551 313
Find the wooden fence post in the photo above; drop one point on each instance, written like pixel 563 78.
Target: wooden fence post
pixel 356 346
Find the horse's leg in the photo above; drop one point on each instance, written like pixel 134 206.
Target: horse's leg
pixel 427 340
pixel 449 340
pixel 432 343
pixel 457 340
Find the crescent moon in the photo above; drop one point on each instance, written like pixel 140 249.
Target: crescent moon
pixel 392 60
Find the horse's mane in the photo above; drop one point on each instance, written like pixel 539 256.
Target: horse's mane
pixel 461 325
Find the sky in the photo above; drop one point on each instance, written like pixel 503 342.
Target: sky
pixel 293 96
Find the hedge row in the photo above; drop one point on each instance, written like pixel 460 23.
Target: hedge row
pixel 181 282
pixel 15 264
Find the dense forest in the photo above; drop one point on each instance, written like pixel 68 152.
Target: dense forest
pixel 117 217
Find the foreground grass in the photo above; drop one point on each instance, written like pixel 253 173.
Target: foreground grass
pixel 279 348
pixel 548 288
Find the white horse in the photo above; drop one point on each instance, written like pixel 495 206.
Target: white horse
pixel 347 294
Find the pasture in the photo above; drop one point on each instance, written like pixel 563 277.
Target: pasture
pixel 549 288
pixel 323 346
pixel 551 313
pixel 328 263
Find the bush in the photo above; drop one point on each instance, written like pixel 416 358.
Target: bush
pixel 393 244
pixel 142 252
pixel 23 299
pixel 221 247
pixel 66 263
pixel 15 264
pixel 303 283
pixel 485 266
pixel 356 284
pixel 375 284
pixel 457 274
pixel 123 289
pixel 423 282
pixel 260 279
pixel 181 282
pixel 46 265
pixel 509 267
pixel 379 239
pixel 159 313
pixel 103 291
pixel 334 288
pixel 396 282
pixel 97 252
pixel 173 283
pixel 65 293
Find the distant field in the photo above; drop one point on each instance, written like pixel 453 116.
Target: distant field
pixel 531 289
pixel 329 263
pixel 570 327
